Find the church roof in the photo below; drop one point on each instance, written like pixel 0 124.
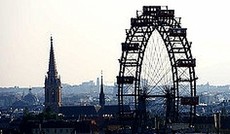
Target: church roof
pixel 112 109
pixel 76 111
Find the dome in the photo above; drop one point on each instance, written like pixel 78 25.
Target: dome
pixel 30 98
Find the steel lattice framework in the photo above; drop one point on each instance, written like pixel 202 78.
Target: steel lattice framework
pixel 138 80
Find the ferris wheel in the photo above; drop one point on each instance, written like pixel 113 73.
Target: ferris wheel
pixel 157 69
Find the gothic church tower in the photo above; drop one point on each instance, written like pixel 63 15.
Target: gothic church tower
pixel 102 95
pixel 52 83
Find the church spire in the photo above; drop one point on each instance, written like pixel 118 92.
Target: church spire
pixel 52 72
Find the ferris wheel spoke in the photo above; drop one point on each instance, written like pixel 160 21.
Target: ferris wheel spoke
pixel 156 84
pixel 153 67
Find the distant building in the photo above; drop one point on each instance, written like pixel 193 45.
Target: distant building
pixel 52 84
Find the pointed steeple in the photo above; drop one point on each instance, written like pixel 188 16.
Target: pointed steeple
pixel 102 95
pixel 52 72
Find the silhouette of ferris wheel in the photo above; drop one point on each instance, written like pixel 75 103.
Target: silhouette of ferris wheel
pixel 157 69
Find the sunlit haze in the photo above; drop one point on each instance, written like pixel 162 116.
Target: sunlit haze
pixel 88 34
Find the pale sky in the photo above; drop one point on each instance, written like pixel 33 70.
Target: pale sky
pixel 87 36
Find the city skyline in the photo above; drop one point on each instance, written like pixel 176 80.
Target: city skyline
pixel 88 35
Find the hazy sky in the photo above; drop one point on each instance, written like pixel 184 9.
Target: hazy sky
pixel 87 36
